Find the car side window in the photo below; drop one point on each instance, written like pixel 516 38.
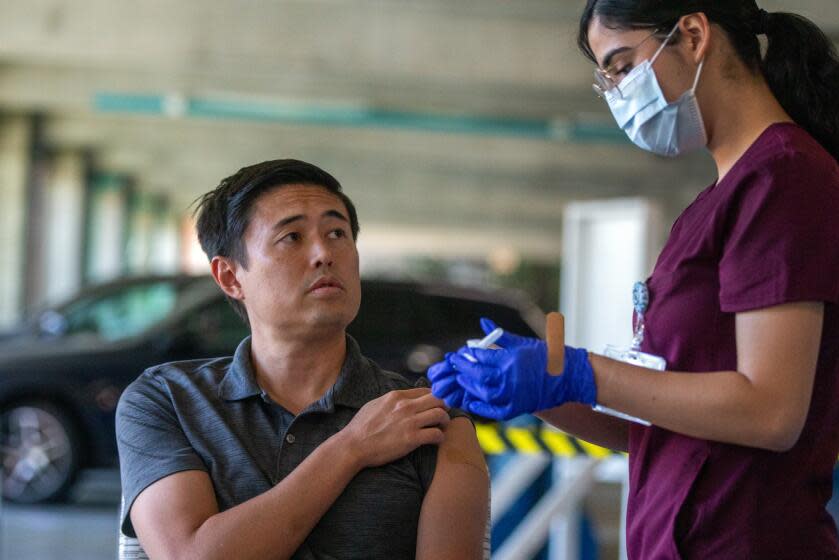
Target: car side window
pixel 215 330
pixel 122 314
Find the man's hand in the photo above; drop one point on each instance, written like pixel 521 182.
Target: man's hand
pixel 178 516
pixel 395 424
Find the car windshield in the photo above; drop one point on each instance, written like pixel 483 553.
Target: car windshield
pixel 128 311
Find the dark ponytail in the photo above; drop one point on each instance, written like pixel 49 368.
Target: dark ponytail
pixel 802 70
pixel 800 65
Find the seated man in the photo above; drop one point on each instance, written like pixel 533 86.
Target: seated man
pixel 297 446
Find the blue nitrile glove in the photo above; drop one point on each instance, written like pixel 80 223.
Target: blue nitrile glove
pixel 444 383
pixel 580 376
pixel 514 380
pixel 509 340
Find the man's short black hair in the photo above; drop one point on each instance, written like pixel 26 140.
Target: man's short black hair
pixel 224 213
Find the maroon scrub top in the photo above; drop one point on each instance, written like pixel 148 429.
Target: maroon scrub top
pixel 766 234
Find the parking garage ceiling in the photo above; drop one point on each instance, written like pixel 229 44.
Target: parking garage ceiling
pixel 442 112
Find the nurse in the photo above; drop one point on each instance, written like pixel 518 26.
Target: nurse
pixel 743 303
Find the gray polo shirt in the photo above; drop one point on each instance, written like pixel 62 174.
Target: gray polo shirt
pixel 211 415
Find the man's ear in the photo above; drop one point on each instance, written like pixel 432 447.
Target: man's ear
pixel 224 272
pixel 696 31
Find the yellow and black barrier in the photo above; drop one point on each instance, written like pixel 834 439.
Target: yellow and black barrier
pixel 497 439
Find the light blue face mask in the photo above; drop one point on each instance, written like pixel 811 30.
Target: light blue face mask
pixel 667 129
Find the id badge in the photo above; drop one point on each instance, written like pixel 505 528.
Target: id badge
pixel 633 354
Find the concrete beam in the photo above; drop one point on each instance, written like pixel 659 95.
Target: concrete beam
pixel 366 41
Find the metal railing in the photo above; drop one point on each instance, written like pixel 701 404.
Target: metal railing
pixel 555 518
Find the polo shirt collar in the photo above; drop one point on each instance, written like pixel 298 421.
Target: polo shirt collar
pixel 240 381
pixel 357 383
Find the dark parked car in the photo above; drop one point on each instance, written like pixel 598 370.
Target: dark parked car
pixel 62 373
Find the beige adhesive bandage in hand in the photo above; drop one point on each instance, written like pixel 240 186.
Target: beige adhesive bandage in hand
pixel 555 339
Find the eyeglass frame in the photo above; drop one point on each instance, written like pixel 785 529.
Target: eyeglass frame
pixel 604 82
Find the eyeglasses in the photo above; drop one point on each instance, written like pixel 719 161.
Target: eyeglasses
pixel 605 80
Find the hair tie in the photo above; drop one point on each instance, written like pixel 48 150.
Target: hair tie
pixel 762 22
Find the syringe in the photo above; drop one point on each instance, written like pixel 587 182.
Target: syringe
pixel 483 343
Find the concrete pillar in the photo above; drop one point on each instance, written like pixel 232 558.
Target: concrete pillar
pixel 63 226
pixel 38 154
pixel 15 137
pixel 164 257
pixel 152 235
pixel 106 227
pixel 140 221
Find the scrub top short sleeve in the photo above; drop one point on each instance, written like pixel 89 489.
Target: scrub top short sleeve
pixel 778 248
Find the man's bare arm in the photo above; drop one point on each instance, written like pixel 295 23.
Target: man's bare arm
pixel 455 510
pixel 177 517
